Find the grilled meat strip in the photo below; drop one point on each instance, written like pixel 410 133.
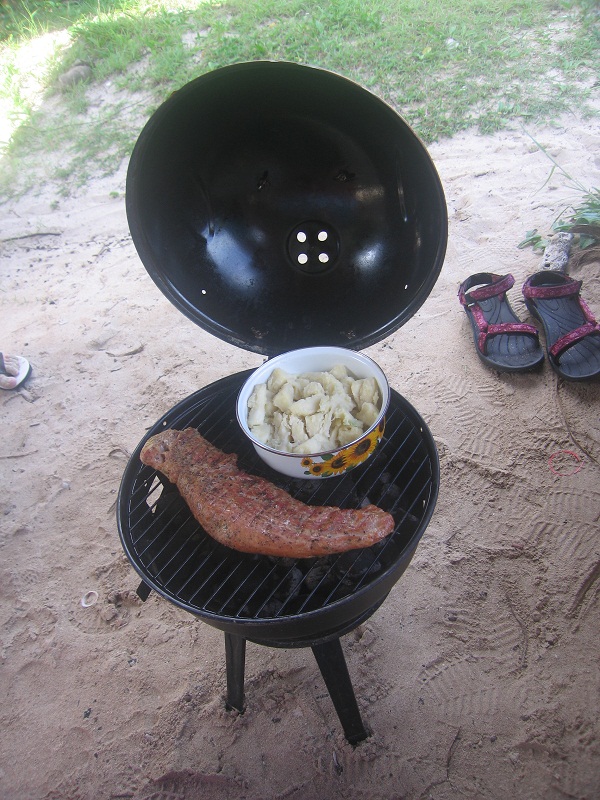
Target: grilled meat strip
pixel 251 514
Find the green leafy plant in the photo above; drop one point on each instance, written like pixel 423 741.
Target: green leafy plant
pixel 535 240
pixel 584 220
pixel 581 218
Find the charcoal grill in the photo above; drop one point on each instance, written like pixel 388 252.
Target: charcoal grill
pixel 222 178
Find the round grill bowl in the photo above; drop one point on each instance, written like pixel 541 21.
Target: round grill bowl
pixel 282 206
pixel 282 602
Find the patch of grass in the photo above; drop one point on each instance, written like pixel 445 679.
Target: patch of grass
pixel 445 65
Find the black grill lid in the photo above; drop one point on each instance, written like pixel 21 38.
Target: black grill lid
pixel 282 206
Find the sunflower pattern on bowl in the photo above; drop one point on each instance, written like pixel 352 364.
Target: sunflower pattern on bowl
pixel 328 464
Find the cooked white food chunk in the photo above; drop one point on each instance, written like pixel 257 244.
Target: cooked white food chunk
pixel 315 423
pixel 365 391
pixel 263 432
pixel 284 397
pixel 257 406
pixel 298 430
pixel 368 414
pixel 277 379
pixel 306 405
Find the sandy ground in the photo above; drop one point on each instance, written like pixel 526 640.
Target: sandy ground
pixel 479 675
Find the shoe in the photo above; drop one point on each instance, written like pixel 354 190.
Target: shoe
pixel 572 333
pixel 503 342
pixel 9 379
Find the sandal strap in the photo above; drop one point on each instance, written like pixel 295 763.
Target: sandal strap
pixel 496 284
pixel 550 292
pixel 485 330
pixel 2 365
pixel 560 345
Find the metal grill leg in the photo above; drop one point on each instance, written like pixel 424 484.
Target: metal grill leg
pixel 235 662
pixel 143 591
pixel 331 661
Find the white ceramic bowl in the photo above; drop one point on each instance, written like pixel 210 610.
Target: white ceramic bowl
pixel 324 464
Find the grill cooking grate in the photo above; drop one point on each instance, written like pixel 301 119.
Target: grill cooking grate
pixel 175 556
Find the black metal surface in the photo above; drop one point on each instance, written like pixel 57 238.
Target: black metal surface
pixel 239 163
pixel 270 600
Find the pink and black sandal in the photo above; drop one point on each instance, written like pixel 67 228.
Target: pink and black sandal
pixel 503 342
pixel 572 333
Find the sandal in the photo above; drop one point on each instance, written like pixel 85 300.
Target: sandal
pixel 23 367
pixel 572 333
pixel 503 342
